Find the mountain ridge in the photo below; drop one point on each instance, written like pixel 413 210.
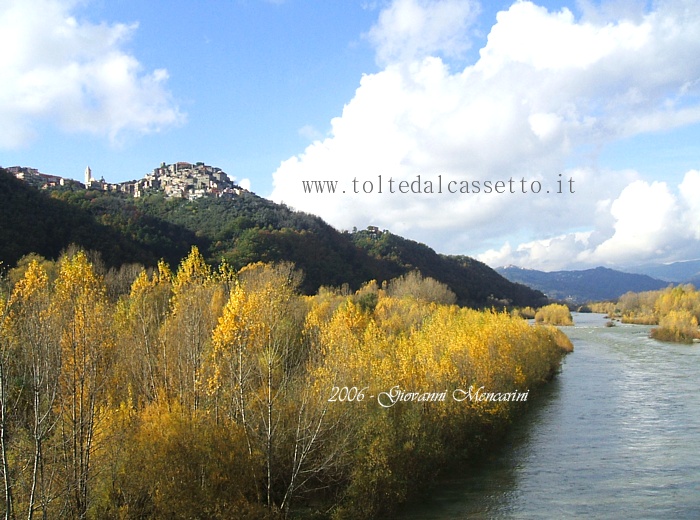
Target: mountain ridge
pixel 581 286
pixel 678 272
pixel 241 229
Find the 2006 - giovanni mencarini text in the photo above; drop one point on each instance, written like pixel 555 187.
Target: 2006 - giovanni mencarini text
pixel 396 394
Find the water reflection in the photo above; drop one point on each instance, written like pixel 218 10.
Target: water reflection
pixel 615 435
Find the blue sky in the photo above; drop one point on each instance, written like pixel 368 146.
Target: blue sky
pixel 246 77
pixel 276 92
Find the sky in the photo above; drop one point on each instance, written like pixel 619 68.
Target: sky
pixel 559 134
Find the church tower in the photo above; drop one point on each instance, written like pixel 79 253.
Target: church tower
pixel 88 177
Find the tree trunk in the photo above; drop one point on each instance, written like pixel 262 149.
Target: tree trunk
pixel 3 443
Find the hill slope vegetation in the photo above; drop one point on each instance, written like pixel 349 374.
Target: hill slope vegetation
pixel 241 230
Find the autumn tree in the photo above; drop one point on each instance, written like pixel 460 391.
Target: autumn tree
pixel 171 464
pixel 554 314
pixel 17 273
pixel 678 298
pixel 39 352
pixel 414 285
pixel 6 356
pixel 210 393
pixel 256 358
pixel 677 325
pixel 195 307
pixel 118 282
pixel 140 318
pixel 83 315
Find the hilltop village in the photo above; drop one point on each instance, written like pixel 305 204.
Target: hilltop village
pixel 177 180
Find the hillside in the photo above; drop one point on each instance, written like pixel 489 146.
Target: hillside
pixel 242 229
pixel 677 272
pixel 33 221
pixel 583 286
pixel 482 285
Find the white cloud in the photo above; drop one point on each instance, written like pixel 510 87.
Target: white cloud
pixel 690 196
pixel 310 132
pixel 646 222
pixel 75 74
pixel 414 29
pixel 530 35
pixel 545 87
pixel 245 184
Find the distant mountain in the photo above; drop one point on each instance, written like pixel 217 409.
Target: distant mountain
pixel 583 286
pixel 241 229
pixel 677 272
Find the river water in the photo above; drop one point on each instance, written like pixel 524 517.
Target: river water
pixel 615 435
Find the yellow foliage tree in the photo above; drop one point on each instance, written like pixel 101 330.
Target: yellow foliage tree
pixel 6 368
pixel 255 359
pixel 554 314
pixel 82 313
pixel 39 354
pixel 138 323
pixel 677 325
pixel 196 305
pixel 174 464
pixel 215 394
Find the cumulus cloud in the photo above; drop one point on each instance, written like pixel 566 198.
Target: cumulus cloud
pixel 412 29
pixel 690 196
pixel 310 133
pixel 546 86
pixel 75 74
pixel 649 221
pixel 245 184
pixel 645 218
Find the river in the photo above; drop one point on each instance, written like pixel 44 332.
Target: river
pixel 615 435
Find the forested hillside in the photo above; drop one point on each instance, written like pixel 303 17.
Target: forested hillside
pixel 241 230
pixel 470 279
pixel 33 221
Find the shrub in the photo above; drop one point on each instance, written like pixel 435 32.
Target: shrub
pixel 527 313
pixel 679 326
pixel 554 314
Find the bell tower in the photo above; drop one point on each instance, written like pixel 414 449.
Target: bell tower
pixel 88 177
